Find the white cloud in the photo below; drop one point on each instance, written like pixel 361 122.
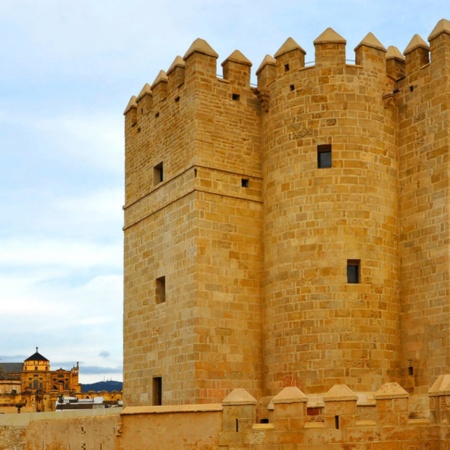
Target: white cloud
pixel 47 252
pixel 92 139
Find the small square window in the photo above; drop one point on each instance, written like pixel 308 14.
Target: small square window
pixel 158 173
pixel 324 156
pixel 244 182
pixel 160 290
pixel 353 271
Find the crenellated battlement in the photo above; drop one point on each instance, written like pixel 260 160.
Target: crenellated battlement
pixel 200 60
pixel 340 419
pixel 340 416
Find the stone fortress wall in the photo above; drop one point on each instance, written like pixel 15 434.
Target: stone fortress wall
pixel 337 420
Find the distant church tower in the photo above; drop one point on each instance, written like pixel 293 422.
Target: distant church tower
pixel 295 233
pixel 36 363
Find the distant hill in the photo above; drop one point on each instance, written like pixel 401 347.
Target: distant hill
pixel 107 386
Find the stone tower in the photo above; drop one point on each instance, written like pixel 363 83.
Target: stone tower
pixel 330 207
pixel 193 233
pixel 295 233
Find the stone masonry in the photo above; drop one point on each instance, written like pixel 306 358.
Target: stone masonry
pixel 290 234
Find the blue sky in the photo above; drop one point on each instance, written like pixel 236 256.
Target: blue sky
pixel 68 69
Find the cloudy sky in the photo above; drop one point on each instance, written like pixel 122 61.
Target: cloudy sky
pixel 68 69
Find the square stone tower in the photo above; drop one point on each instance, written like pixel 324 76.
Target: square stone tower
pixel 193 234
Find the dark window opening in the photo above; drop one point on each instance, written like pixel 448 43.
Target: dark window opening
pixel 410 368
pixel 313 411
pixel 324 156
pixel 158 173
pixel 244 182
pixel 286 67
pixel 160 290
pixel 292 87
pixel 157 391
pixel 411 88
pixel 177 99
pixel 235 96
pixel 353 271
pixel 157 115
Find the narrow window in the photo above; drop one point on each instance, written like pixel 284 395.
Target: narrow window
pixel 324 156
pixel 235 96
pixel 286 67
pixel 157 391
pixel 244 182
pixel 158 173
pixel 353 271
pixel 160 290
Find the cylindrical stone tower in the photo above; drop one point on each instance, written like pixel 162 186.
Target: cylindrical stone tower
pixel 331 307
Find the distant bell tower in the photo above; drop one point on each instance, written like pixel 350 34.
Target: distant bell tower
pixel 36 363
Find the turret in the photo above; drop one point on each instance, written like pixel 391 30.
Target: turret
pixel 330 234
pixel 266 72
pixel 395 63
pixel 130 113
pixel 371 54
pixel 289 58
pixel 159 88
pixel 417 54
pixel 175 73
pixel 236 69
pixel 439 40
pixel 200 60
pixel 330 49
pixel 144 101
